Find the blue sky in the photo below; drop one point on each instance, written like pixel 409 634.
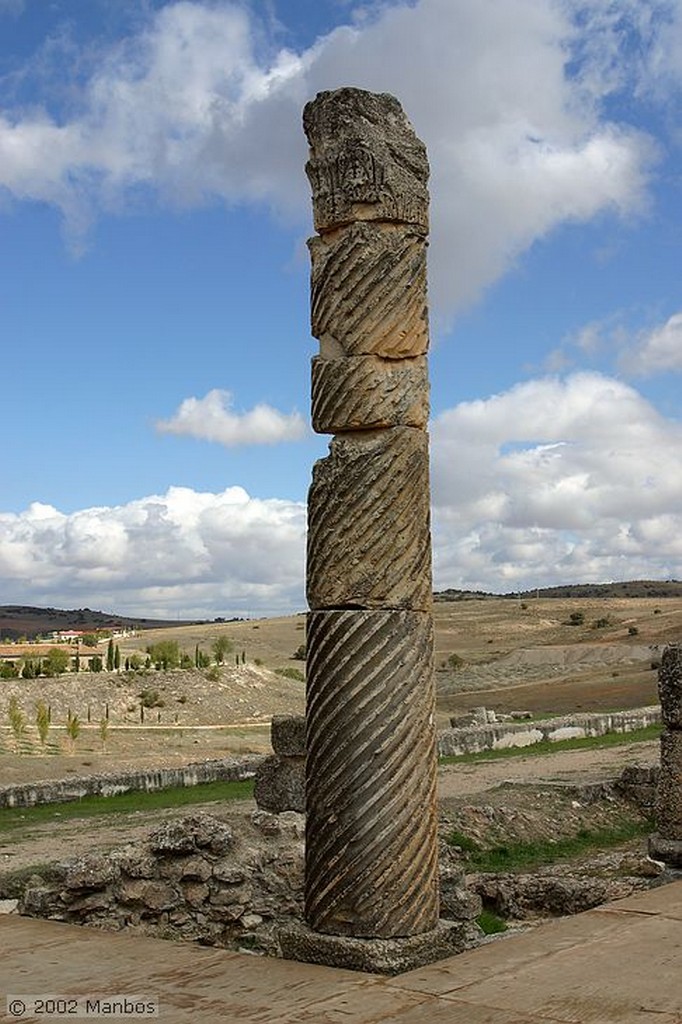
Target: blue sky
pixel 154 290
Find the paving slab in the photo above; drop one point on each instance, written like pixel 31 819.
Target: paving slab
pixel 618 964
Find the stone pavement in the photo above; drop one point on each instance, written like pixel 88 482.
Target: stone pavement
pixel 620 963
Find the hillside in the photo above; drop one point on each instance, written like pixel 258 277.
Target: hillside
pixel 26 621
pixel 625 588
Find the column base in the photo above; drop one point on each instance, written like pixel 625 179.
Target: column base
pixel 667 850
pixel 377 956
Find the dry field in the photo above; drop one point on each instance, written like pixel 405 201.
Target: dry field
pixel 510 655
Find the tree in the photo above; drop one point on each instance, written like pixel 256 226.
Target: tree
pixel 165 654
pixel 117 657
pixel 73 728
pixel 56 661
pixel 110 656
pixel 42 721
pixel 89 640
pixel 96 664
pixel 221 647
pixel 17 720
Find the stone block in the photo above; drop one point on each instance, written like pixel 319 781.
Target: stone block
pixel 365 393
pixel 368 292
pixel 670 686
pixel 369 540
pixel 669 791
pixel 287 735
pixel 365 160
pixel 377 956
pixel 280 784
pixel 667 850
pixel 191 833
pixel 371 852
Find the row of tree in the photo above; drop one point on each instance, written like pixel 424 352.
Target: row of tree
pixel 164 655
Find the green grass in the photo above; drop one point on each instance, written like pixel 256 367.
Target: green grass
pixel 490 924
pixel 611 739
pixel 124 803
pixel 515 856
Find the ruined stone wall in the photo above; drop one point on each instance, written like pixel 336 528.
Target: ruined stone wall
pixel 205 880
pixel 499 736
pixel 229 769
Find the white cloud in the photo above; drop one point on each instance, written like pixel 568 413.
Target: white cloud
pixel 553 481
pixel 556 480
pixel 185 553
pixel 193 110
pixel 657 350
pixel 211 419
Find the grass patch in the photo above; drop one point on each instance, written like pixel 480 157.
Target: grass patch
pixel 14 881
pixel 611 739
pixel 517 856
pixel 490 924
pixel 125 803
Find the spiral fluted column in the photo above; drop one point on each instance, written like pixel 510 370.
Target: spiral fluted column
pixel 371 839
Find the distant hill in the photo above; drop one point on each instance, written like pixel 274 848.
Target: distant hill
pixel 25 621
pixel 628 588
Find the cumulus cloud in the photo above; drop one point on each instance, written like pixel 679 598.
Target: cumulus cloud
pixel 198 106
pixel 186 553
pixel 211 419
pixel 556 480
pixel 657 350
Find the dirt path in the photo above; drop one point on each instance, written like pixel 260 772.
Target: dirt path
pixel 575 766
pixel 55 840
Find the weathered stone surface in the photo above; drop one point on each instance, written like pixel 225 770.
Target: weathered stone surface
pixel 287 735
pixel 669 791
pixel 371 774
pixel 371 838
pixel 369 540
pixel 366 393
pixel 368 293
pixel 188 834
pixel 669 851
pixel 376 955
pixel 670 686
pixel 366 163
pixel 89 872
pixel 280 784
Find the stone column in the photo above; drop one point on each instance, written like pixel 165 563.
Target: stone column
pixel 371 832
pixel 666 843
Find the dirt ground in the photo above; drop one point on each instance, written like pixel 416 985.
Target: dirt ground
pixel 55 840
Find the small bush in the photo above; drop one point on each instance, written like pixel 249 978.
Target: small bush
pixel 213 674
pixel 490 924
pixel 632 631
pixel 600 623
pixel 576 619
pixel 151 699
pixel 455 662
pixel 290 673
pixel 300 653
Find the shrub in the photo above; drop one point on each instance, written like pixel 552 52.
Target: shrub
pixel 600 623
pixel 290 673
pixel 632 631
pixel 455 662
pixel 151 699
pixel 300 653
pixel 576 619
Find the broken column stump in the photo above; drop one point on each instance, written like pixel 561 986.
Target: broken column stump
pixel 666 843
pixel 372 900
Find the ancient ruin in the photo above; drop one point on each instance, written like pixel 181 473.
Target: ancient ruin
pixel 666 843
pixel 371 834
